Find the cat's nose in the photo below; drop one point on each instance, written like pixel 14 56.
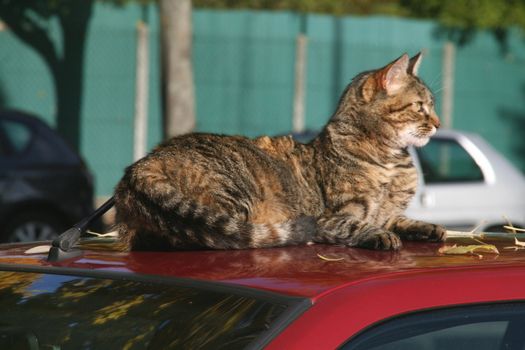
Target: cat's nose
pixel 434 119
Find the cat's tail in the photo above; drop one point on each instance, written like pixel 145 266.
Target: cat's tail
pixel 236 233
pixel 205 229
pixel 292 232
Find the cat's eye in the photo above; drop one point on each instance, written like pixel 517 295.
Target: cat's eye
pixel 421 107
pixel 418 105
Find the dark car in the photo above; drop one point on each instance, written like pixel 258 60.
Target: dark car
pixel 44 185
pixel 317 297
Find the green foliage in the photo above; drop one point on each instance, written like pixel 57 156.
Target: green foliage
pixel 120 3
pixel 470 14
pixel 336 7
pixel 30 21
pixel 460 19
pixel 459 14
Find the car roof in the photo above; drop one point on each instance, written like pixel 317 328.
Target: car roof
pixel 306 271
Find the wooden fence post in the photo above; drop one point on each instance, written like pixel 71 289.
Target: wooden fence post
pixel 448 84
pixel 141 93
pixel 299 101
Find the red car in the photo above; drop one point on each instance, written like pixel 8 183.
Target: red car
pixel 306 297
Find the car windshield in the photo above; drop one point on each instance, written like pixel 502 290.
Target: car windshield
pixel 70 312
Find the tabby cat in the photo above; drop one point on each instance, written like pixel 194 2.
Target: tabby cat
pixel 348 186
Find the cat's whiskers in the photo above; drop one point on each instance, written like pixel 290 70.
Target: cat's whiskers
pixel 437 79
pixel 438 90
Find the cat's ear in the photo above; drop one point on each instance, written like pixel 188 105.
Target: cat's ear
pixel 414 63
pixel 392 77
pixel 369 88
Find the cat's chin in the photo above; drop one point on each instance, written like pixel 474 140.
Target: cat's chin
pixel 420 142
pixel 412 140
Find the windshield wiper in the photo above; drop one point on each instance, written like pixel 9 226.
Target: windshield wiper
pixel 61 246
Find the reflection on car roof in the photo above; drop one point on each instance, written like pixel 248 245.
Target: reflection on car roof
pixel 307 271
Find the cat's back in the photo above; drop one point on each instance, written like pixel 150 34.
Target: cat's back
pixel 213 149
pixel 205 152
pixel 203 145
pixel 210 161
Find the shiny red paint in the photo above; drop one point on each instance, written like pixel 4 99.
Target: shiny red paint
pixel 341 314
pixel 348 295
pixel 293 270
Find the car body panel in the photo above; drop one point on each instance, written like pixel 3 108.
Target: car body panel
pixel 348 289
pixel 352 309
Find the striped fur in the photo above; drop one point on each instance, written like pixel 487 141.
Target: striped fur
pixel 349 186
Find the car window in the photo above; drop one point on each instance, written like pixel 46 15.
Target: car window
pixel 70 312
pixel 18 134
pixel 446 161
pixel 486 327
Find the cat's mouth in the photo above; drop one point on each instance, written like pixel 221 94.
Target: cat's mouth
pixel 418 137
pixel 424 137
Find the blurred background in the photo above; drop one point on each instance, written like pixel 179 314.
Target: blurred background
pixel 114 78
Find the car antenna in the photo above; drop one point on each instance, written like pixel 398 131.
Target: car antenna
pixel 61 246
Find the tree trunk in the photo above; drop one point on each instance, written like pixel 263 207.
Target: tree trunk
pixel 26 21
pixel 178 90
pixel 69 77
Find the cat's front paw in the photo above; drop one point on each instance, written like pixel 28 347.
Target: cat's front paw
pixel 438 234
pixel 378 239
pixel 423 231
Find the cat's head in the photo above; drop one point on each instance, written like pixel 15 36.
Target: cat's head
pixel 397 102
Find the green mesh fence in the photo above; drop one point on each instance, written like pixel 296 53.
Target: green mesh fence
pixel 244 77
